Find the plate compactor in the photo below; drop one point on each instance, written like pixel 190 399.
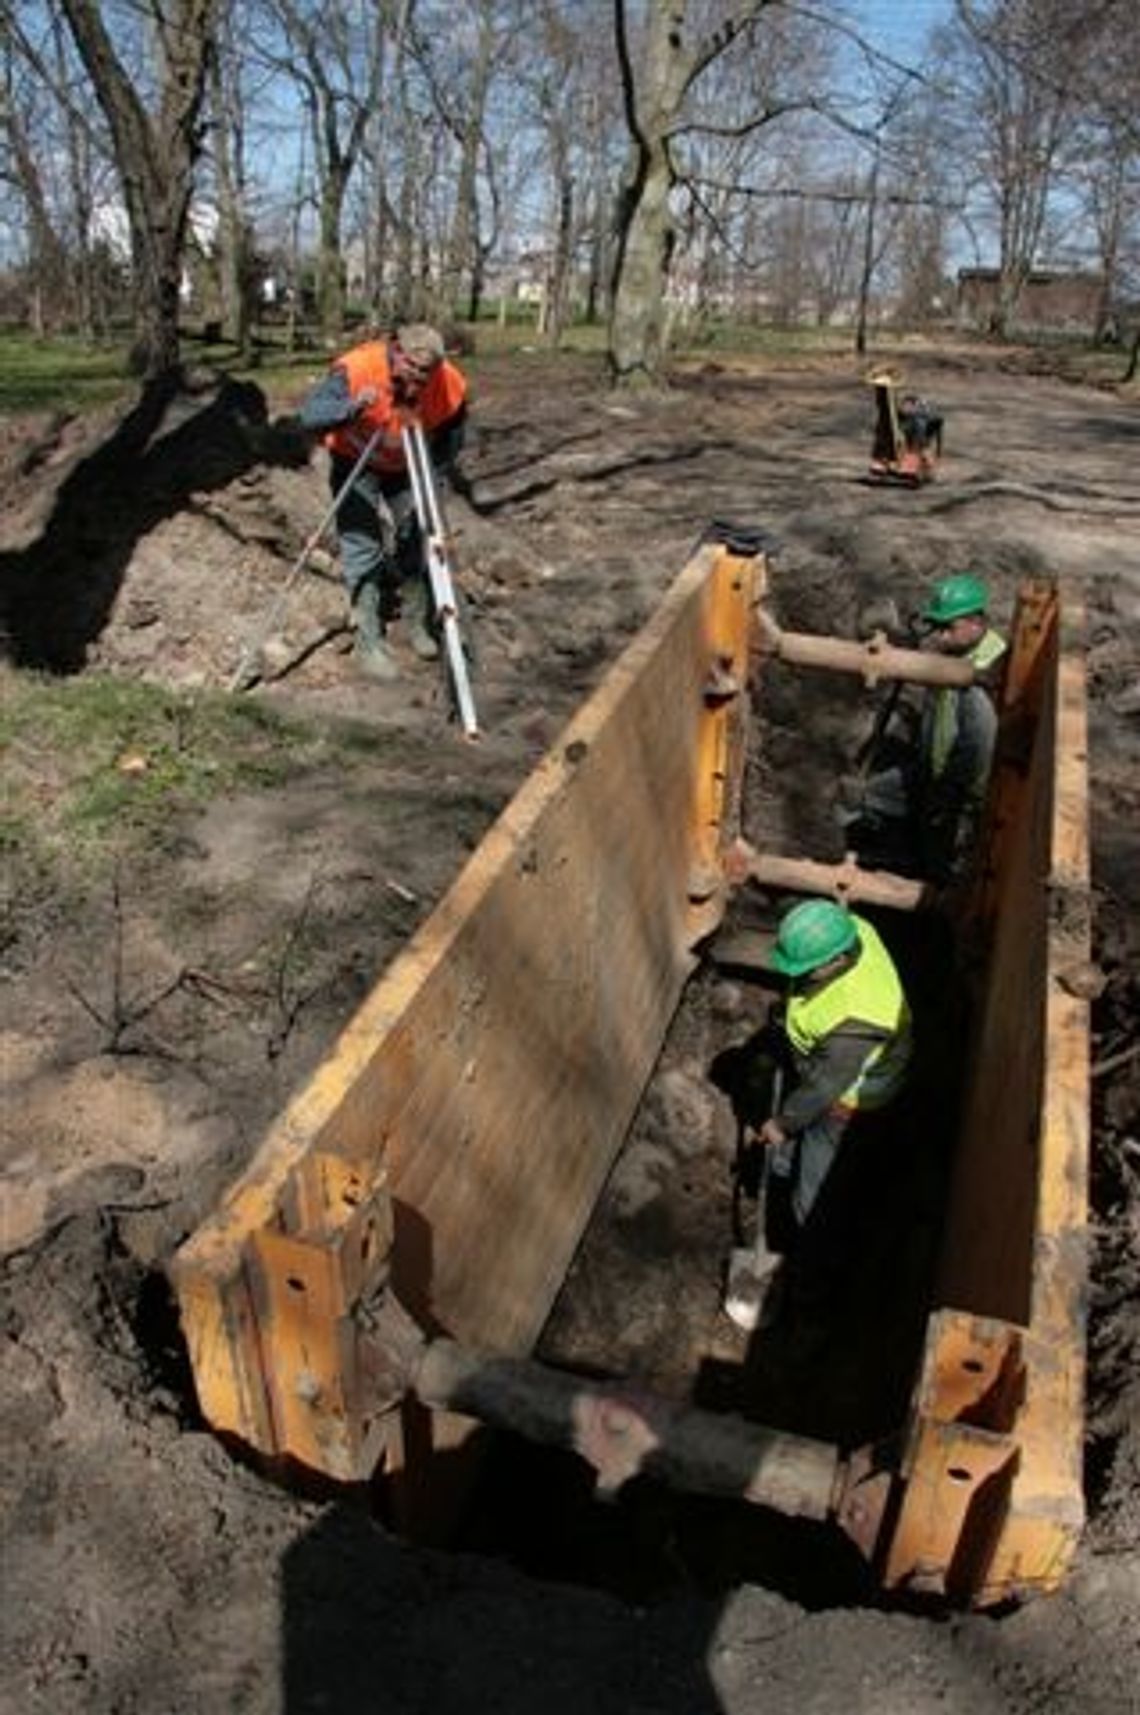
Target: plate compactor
pixel 907 442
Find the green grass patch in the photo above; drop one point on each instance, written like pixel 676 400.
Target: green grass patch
pixel 759 339
pixel 60 374
pixel 96 768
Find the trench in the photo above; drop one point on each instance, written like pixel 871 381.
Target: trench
pixel 641 1301
pixel 644 1295
pixel 644 1299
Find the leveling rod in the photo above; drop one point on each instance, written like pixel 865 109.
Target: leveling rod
pixel 430 516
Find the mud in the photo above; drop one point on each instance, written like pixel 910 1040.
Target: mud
pixel 145 1566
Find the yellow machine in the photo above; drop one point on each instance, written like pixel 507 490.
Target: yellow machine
pixel 907 441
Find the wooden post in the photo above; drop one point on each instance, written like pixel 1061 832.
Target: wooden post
pixel 623 1432
pixel 843 881
pixel 872 661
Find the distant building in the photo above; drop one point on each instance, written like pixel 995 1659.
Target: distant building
pixel 1052 300
pixel 110 226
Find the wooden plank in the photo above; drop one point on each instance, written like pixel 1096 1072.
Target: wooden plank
pixel 844 881
pixel 873 660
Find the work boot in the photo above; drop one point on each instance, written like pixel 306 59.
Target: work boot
pixel 417 613
pixel 373 653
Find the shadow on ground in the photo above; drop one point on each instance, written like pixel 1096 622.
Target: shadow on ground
pixel 58 593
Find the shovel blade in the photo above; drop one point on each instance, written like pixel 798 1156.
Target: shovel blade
pixel 750 1274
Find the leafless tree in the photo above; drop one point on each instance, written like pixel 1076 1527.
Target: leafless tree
pixel 1107 165
pixel 926 175
pixel 1014 68
pixel 235 245
pixel 156 148
pixel 664 58
pixel 23 170
pixel 564 71
pixel 468 57
pixel 875 238
pixel 832 248
pixel 335 54
pixel 57 155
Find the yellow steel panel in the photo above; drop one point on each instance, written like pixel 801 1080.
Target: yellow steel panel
pixel 1047 1506
pixel 1015 1241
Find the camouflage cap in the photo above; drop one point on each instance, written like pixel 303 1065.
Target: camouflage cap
pixel 420 344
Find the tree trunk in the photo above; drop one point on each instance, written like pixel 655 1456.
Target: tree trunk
pixel 468 131
pixel 407 304
pixel 652 97
pixel 80 180
pixel 330 263
pixel 644 225
pixel 1133 358
pixel 233 231
pixel 46 254
pixel 868 267
pixel 558 279
pixel 155 156
pixel 597 265
pixel 475 294
pixel 637 314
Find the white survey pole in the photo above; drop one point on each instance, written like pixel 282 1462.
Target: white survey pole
pixel 432 530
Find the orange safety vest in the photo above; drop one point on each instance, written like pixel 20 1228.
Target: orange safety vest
pixel 367 366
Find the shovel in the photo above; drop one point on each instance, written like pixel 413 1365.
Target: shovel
pixel 751 1267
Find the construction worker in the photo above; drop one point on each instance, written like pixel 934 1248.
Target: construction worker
pixel 921 814
pixel 849 1030
pixel 374 389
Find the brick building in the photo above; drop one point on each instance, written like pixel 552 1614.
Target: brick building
pixel 1056 300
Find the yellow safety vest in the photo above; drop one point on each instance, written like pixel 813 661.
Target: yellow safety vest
pixel 869 992
pixel 990 647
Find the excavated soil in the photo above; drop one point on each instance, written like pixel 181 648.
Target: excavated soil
pixel 145 1568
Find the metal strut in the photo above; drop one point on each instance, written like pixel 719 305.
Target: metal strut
pixel 430 516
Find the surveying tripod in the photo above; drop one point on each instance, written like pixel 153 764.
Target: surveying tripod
pixel 430 516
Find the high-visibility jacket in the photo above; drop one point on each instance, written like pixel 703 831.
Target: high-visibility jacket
pixel 443 396
pixel 945 716
pixel 867 993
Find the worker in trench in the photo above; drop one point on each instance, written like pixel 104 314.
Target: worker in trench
pixel 846 1028
pixel 917 808
pixel 375 389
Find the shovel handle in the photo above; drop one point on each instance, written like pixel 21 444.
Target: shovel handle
pixel 759 1244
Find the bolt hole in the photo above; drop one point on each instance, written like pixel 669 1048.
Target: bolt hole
pixel 959 1474
pixel 294 1284
pixel 974 1365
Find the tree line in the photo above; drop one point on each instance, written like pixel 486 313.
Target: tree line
pixel 647 160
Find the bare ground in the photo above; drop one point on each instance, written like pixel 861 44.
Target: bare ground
pixel 144 1569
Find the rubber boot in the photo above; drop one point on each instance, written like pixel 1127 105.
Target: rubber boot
pixel 373 654
pixel 417 612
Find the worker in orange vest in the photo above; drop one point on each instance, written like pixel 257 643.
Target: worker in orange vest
pixel 375 389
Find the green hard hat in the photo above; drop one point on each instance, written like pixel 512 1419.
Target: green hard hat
pixel 956 596
pixel 810 934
